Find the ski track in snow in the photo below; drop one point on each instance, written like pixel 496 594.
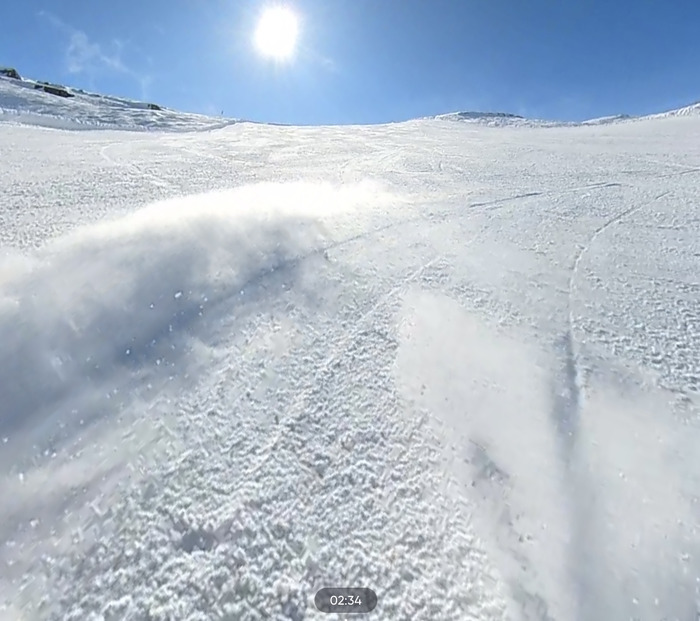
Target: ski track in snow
pixel 157 181
pixel 575 379
pixel 454 363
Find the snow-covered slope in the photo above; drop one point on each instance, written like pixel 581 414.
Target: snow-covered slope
pixel 501 119
pixel 692 110
pixel 455 364
pixel 21 102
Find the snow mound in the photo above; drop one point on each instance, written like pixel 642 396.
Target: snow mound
pixel 490 119
pixel 606 120
pixel 691 110
pixel 23 101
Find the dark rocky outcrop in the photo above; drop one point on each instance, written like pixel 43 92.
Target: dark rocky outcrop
pixel 486 115
pixel 152 106
pixel 9 72
pixel 53 89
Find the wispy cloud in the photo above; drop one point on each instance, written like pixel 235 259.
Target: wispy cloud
pixel 324 62
pixel 328 64
pixel 88 57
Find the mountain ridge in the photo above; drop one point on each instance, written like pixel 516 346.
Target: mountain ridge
pixel 35 102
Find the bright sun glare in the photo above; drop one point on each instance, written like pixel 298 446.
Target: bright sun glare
pixel 276 34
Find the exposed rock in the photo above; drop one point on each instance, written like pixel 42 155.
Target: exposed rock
pixel 486 115
pixel 9 72
pixel 53 89
pixel 152 106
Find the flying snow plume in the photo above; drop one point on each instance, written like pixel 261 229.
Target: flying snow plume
pixel 131 294
pixel 100 327
pixel 615 534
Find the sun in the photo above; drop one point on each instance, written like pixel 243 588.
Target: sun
pixel 277 31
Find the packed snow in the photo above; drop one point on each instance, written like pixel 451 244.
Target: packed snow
pixel 454 363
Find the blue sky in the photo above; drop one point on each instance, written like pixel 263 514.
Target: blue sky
pixel 368 61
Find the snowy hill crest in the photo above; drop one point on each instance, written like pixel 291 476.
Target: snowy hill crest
pixel 34 102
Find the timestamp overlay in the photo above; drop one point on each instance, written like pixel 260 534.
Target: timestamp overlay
pixel 346 600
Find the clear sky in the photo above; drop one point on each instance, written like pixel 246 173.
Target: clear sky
pixel 367 61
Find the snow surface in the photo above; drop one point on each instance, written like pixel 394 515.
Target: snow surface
pixel 456 364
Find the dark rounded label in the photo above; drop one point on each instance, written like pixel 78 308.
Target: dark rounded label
pixel 345 599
